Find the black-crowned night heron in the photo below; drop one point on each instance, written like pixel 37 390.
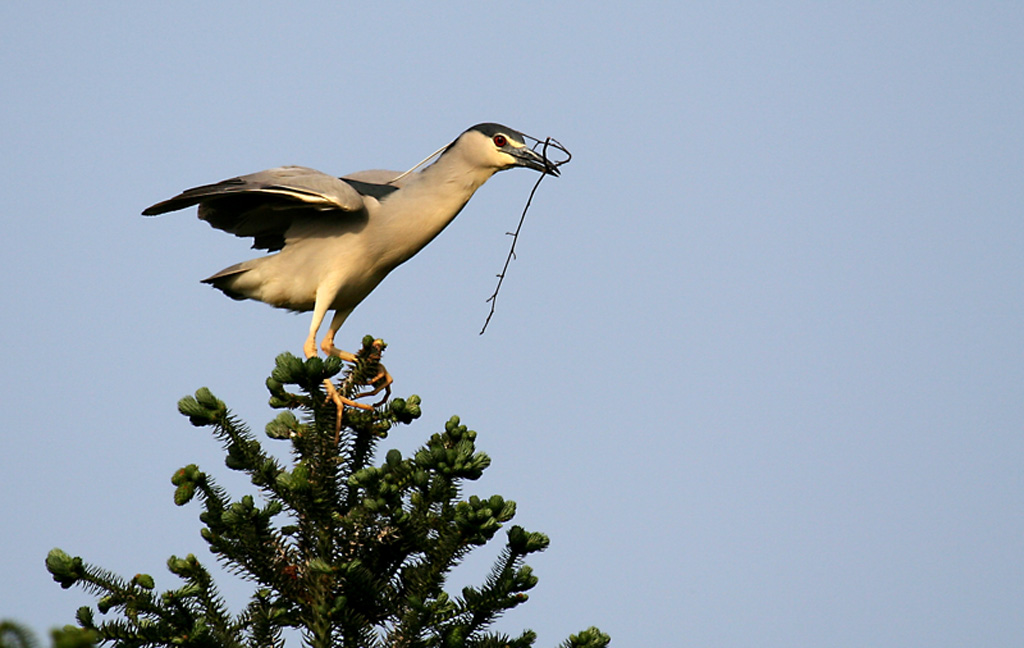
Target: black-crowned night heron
pixel 337 238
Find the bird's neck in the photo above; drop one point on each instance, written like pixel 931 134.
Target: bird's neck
pixel 428 202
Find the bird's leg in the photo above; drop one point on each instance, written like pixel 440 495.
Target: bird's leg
pixel 382 377
pixel 327 344
pixel 319 310
pixel 309 349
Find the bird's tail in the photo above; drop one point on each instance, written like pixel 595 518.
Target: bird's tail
pixel 225 280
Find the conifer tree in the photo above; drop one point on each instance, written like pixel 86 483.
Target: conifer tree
pixel 347 552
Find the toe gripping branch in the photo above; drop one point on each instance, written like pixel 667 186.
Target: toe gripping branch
pixel 365 372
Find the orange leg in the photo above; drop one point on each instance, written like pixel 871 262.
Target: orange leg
pixel 309 349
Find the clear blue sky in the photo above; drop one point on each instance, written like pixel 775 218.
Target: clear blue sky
pixel 758 370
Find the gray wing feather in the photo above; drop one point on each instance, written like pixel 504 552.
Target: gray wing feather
pixel 377 176
pixel 263 205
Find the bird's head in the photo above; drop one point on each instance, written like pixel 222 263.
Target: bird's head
pixel 502 148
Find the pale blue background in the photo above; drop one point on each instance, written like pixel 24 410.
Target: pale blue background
pixel 757 371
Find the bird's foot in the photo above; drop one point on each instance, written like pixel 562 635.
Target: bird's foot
pixel 367 360
pixel 380 383
pixel 340 402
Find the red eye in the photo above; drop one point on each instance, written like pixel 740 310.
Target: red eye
pixel 500 141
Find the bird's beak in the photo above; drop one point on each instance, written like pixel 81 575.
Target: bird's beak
pixel 527 157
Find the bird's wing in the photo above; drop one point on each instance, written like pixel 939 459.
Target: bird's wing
pixel 263 205
pixel 377 176
pixel 377 183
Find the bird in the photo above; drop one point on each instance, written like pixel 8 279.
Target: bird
pixel 334 239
